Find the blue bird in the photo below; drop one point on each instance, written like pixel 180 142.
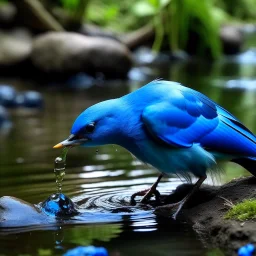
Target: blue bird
pixel 175 129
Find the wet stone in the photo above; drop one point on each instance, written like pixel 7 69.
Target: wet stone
pixel 30 99
pixel 7 96
pixel 59 205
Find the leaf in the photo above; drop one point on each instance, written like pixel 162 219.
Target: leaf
pixel 144 8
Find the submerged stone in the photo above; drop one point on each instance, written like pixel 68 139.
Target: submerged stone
pixel 15 212
pixel 59 205
pixel 30 99
pixel 7 96
pixel 80 81
pixel 5 122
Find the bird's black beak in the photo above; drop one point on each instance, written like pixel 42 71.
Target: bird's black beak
pixel 71 141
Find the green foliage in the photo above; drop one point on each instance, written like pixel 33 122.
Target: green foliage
pixel 239 9
pixel 77 8
pixel 178 18
pixel 243 211
pixel 104 14
pixel 174 20
pixel 45 252
pixel 215 252
pixel 197 17
pixel 115 15
pixel 148 7
pixel 87 234
pixel 70 4
pixel 41 252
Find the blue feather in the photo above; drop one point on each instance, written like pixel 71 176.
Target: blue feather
pixel 194 118
pixel 174 128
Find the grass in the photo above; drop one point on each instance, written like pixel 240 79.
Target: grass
pixel 245 210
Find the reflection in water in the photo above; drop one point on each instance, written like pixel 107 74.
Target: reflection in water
pixel 59 238
pixel 102 182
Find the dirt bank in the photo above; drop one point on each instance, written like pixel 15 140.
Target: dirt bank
pixel 207 208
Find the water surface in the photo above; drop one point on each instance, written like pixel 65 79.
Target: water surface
pixel 102 179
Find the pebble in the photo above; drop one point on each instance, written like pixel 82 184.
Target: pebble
pixel 7 96
pixel 30 99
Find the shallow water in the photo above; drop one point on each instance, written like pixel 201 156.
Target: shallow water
pixel 102 179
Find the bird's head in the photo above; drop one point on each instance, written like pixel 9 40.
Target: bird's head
pixel 97 125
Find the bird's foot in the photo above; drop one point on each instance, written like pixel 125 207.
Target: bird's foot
pixel 169 210
pixel 147 194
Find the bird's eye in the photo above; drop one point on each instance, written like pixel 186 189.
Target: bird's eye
pixel 89 128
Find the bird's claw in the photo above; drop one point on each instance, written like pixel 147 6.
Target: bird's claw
pixel 169 210
pixel 147 193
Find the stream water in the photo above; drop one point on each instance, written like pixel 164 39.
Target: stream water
pixel 60 169
pixel 102 179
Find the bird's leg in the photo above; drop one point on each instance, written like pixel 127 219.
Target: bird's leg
pixel 152 190
pixel 174 209
pixel 147 193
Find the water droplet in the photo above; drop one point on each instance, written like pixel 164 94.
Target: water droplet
pixel 59 169
pixel 116 149
pixel 59 237
pixel 97 151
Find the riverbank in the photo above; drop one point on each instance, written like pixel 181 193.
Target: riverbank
pixel 207 210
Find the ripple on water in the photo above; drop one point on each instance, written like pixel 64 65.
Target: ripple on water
pixel 241 83
pixel 113 205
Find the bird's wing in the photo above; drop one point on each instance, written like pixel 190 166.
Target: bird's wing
pixel 190 117
pixel 181 120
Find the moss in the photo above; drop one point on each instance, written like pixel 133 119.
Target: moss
pixel 215 252
pixel 245 210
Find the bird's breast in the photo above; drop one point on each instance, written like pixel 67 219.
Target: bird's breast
pixel 172 160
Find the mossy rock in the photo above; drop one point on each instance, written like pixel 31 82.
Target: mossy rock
pixel 245 210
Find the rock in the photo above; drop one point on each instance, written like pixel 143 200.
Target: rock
pixel 30 99
pixel 15 212
pixel 80 81
pixel 247 57
pixel 206 209
pixel 147 57
pixel 5 123
pixel 141 74
pixel 249 29
pixel 15 47
pixel 69 53
pixel 236 84
pixel 243 84
pixel 232 39
pixel 179 55
pixel 10 98
pixel 7 15
pixel 7 96
pixel 95 31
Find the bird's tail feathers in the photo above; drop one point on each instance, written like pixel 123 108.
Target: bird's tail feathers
pixel 249 163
